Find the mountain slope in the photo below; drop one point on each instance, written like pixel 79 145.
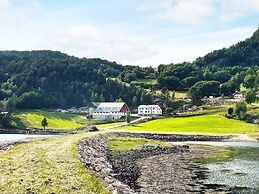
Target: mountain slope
pixel 244 53
pixel 46 79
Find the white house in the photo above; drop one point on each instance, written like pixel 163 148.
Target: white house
pixel 108 110
pixel 238 95
pixel 149 110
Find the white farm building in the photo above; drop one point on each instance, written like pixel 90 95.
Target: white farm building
pixel 108 110
pixel 149 110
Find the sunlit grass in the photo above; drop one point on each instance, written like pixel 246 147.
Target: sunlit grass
pixel 47 166
pixel 55 120
pixel 197 124
pixel 124 144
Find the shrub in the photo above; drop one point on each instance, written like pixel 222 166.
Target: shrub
pixel 230 111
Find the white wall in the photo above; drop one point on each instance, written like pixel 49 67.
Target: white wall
pixel 108 116
pixel 150 111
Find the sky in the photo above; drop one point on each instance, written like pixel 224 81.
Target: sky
pixel 130 32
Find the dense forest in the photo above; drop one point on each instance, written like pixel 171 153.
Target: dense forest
pixel 220 72
pixel 48 79
pixel 51 79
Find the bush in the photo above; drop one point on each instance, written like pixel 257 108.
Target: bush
pixel 230 111
pixel 240 110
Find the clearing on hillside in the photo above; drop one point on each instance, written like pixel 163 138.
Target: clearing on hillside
pixel 55 120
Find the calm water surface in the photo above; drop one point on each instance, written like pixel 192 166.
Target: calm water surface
pixel 20 137
pixel 240 174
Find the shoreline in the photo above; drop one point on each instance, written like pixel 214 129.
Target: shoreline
pixel 133 171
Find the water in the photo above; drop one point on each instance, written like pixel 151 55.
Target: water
pixel 240 174
pixel 238 144
pixel 5 138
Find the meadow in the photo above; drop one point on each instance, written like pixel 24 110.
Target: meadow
pixel 125 144
pixel 145 81
pixel 56 120
pixel 178 94
pixel 204 124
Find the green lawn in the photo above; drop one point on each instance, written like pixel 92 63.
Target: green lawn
pixel 208 110
pixel 47 166
pixel 124 144
pixel 197 124
pixel 145 81
pixel 56 120
pixel 178 94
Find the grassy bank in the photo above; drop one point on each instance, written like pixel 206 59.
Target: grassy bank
pixel 196 124
pixel 125 144
pixel 47 166
pixel 56 120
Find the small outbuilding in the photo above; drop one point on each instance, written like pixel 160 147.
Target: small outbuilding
pixel 238 95
pixel 149 110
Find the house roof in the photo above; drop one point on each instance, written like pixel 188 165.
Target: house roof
pixel 237 93
pixel 109 106
pixel 149 106
pixel 95 104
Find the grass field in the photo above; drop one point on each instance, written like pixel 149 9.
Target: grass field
pixel 197 124
pixel 178 94
pixel 208 110
pixel 145 81
pixel 47 166
pixel 56 120
pixel 124 144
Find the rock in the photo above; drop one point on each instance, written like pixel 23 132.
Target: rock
pixel 92 128
pixel 115 191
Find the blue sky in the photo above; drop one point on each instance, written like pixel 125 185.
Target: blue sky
pixel 146 32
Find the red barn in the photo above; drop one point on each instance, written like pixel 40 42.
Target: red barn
pixel 108 110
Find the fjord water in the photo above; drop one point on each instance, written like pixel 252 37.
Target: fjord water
pixel 20 137
pixel 239 174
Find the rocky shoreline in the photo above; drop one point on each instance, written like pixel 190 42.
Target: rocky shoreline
pixel 6 147
pixel 172 137
pixel 151 169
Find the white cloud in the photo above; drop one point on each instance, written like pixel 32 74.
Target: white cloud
pixel 188 48
pixel 30 26
pixel 4 4
pixel 90 41
pixel 182 11
pixel 196 11
pixel 232 9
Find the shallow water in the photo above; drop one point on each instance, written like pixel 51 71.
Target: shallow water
pixel 240 174
pixel 4 138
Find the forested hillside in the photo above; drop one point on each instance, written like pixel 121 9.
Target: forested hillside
pixel 48 79
pixel 51 79
pixel 226 69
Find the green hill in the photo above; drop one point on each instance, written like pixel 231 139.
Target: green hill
pixel 51 79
